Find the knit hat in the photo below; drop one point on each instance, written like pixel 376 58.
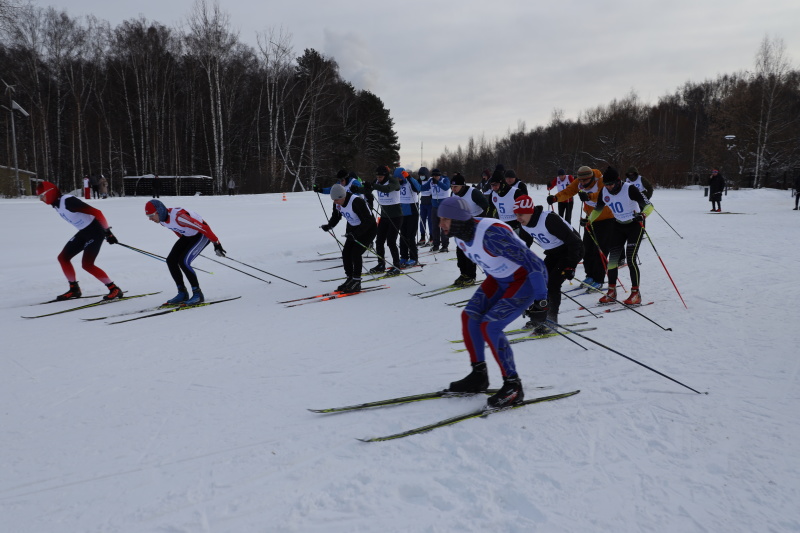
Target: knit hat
pixel 423 171
pixel 382 170
pixel 338 192
pixel 155 206
pixel 523 205
pixel 510 174
pixel 585 172
pixel 486 172
pixel 342 174
pixel 497 177
pixel 561 172
pixel 610 176
pixel 458 179
pixel 454 208
pixel 48 192
pixel 632 170
pixel 500 168
pixel 436 172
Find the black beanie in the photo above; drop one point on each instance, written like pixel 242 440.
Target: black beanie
pixel 610 176
pixel 382 170
pixel 342 174
pixel 458 179
pixel 510 174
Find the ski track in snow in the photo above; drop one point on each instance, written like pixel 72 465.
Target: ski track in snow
pixel 197 421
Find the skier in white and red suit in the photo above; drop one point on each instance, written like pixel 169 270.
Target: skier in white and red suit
pixel 92 229
pixel 515 279
pixel 194 234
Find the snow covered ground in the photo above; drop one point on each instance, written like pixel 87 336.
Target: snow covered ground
pixel 197 421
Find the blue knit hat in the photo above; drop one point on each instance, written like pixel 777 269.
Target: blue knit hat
pixel 454 208
pixel 155 206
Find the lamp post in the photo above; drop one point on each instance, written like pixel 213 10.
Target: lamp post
pixel 14 106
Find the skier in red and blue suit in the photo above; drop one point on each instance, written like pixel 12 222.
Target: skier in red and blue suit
pixel 92 229
pixel 516 280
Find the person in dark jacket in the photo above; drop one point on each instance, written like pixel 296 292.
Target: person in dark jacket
pixel 477 204
pixel 796 191
pixel 716 184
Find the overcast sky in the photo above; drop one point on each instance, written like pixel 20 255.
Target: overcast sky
pixel 451 69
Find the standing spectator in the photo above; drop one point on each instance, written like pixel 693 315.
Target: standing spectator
pixel 87 188
pixel 630 210
pixel 644 186
pixel 231 187
pixel 92 229
pixel 716 184
pixel 156 186
pixel 440 189
pixel 796 191
pixel 424 208
pixel 559 183
pixel 361 230
pixel 409 194
pixel 194 234
pixel 388 188
pixel 477 204
pixel 485 186
pixel 102 183
pixel 95 187
pixel 515 279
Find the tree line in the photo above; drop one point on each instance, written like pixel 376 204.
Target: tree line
pixel 142 98
pixel 744 124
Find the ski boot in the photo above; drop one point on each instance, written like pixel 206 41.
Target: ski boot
pixel 73 292
pixel 180 298
pixel 394 271
pixel 377 269
pixel 353 285
pixel 197 297
pixel 635 298
pixel 343 286
pixel 475 382
pixel 610 297
pixel 510 394
pixel 114 292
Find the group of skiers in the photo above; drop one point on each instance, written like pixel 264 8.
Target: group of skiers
pixel 493 226
pixel 193 233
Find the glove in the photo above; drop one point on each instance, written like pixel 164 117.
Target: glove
pixel 639 218
pixel 316 188
pixel 367 186
pixel 584 196
pixel 325 227
pixel 568 273
pixel 551 199
pixel 219 250
pixel 354 188
pixel 538 312
pixel 110 239
pixel 583 222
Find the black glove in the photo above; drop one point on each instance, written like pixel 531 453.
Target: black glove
pixel 583 222
pixel 110 239
pixel 638 218
pixel 551 199
pixel 219 250
pixel 568 273
pixel 367 186
pixel 316 188
pixel 584 196
pixel 354 188
pixel 538 312
pixel 325 227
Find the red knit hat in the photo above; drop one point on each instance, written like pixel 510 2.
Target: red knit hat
pixel 523 205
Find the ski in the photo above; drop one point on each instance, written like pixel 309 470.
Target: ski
pixel 161 307
pixel 78 298
pixel 445 290
pixel 339 295
pixel 623 308
pixel 525 330
pixel 95 304
pixel 535 337
pixel 376 274
pixel 483 412
pixel 460 303
pixel 174 309
pixel 410 399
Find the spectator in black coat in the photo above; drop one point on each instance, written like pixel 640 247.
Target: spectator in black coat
pixel 716 184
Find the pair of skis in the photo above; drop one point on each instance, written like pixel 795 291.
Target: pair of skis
pixel 94 304
pixel 482 412
pixel 326 296
pixel 616 309
pixel 444 290
pixel 158 311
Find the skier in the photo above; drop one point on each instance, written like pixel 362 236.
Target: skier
pixel 194 235
pixel 478 204
pixel 439 187
pixel 630 208
pixel 409 195
pixel 716 185
pixel 590 181
pixel 561 182
pixel 361 230
pixel 92 229
pixel 562 246
pixel 515 279
pixel 424 208
pixel 391 218
pixel 644 186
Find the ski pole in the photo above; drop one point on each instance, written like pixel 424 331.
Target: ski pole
pixel 668 224
pixel 565 336
pixel 628 306
pixel 580 304
pixel 626 357
pixel 154 256
pixel 665 266
pixel 236 269
pixel 589 228
pixel 386 262
pixel 265 272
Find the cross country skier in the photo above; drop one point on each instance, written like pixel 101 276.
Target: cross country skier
pixel 194 234
pixel 515 279
pixel 361 230
pixel 92 229
pixel 630 207
pixel 562 246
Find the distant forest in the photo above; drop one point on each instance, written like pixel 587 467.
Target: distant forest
pixel 143 98
pixel 747 125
